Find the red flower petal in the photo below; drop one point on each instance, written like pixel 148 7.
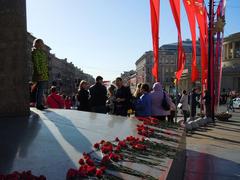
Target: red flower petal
pixel 72 173
pixel 116 139
pixel 81 161
pixel 105 159
pixel 91 170
pixel 96 146
pixel 99 173
pixel 90 162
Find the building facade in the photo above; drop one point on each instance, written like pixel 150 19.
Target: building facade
pixel 62 74
pixel 167 65
pixel 231 63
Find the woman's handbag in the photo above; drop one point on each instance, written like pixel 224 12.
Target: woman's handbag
pixel 165 104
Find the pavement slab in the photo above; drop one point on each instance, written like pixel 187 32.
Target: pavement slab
pixel 213 152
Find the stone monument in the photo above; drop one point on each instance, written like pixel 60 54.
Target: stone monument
pixel 14 92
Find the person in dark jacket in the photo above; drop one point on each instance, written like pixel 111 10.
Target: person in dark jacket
pixel 193 103
pixel 83 96
pixel 98 96
pixel 123 98
pixel 207 103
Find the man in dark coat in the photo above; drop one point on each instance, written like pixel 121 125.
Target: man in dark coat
pixel 98 96
pixel 193 103
pixel 123 98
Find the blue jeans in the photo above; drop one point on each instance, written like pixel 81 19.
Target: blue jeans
pixel 41 87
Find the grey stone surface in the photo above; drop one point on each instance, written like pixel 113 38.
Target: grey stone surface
pixel 13 64
pixel 52 141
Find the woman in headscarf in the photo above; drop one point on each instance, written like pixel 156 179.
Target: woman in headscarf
pixel 158 95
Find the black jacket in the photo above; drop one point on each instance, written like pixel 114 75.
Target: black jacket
pixel 82 97
pixel 98 95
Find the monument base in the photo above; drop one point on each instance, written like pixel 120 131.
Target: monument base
pixel 51 142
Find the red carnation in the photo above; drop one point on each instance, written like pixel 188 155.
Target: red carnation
pixel 96 146
pixel 72 173
pixel 90 162
pixel 102 141
pixel 91 170
pixel 105 159
pixel 114 157
pixel 83 170
pixel 118 148
pixel 139 147
pixel 99 173
pixel 81 161
pixel 122 144
pixel 85 155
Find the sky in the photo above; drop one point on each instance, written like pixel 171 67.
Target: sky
pixel 107 37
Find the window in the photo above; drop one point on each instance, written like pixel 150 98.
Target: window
pixel 237 49
pixel 166 60
pixel 230 50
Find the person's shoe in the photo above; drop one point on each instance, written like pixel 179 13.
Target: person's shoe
pixel 40 108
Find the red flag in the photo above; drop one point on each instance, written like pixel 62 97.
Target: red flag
pixel 154 8
pixel 175 6
pixel 189 7
pixel 201 15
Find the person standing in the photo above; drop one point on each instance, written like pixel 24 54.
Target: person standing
pixel 158 95
pixel 98 96
pixel 40 71
pixel 111 99
pixel 143 105
pixel 83 96
pixel 123 98
pixel 184 102
pixel 172 111
pixel 207 103
pixel 194 103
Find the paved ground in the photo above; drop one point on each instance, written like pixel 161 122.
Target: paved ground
pixel 213 153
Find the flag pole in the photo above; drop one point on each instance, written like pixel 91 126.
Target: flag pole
pixel 210 57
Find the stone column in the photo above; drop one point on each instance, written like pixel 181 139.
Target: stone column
pixel 14 91
pixel 227 51
pixel 233 49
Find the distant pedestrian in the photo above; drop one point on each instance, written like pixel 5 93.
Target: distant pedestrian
pixel 143 105
pixel 230 103
pixel 54 100
pixel 193 103
pixel 207 103
pixel 158 95
pixel 123 98
pixel 111 99
pixel 68 102
pixel 83 96
pixel 40 71
pixel 172 111
pixel 98 96
pixel 184 105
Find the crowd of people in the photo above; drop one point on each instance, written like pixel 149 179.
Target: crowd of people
pixel 117 99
